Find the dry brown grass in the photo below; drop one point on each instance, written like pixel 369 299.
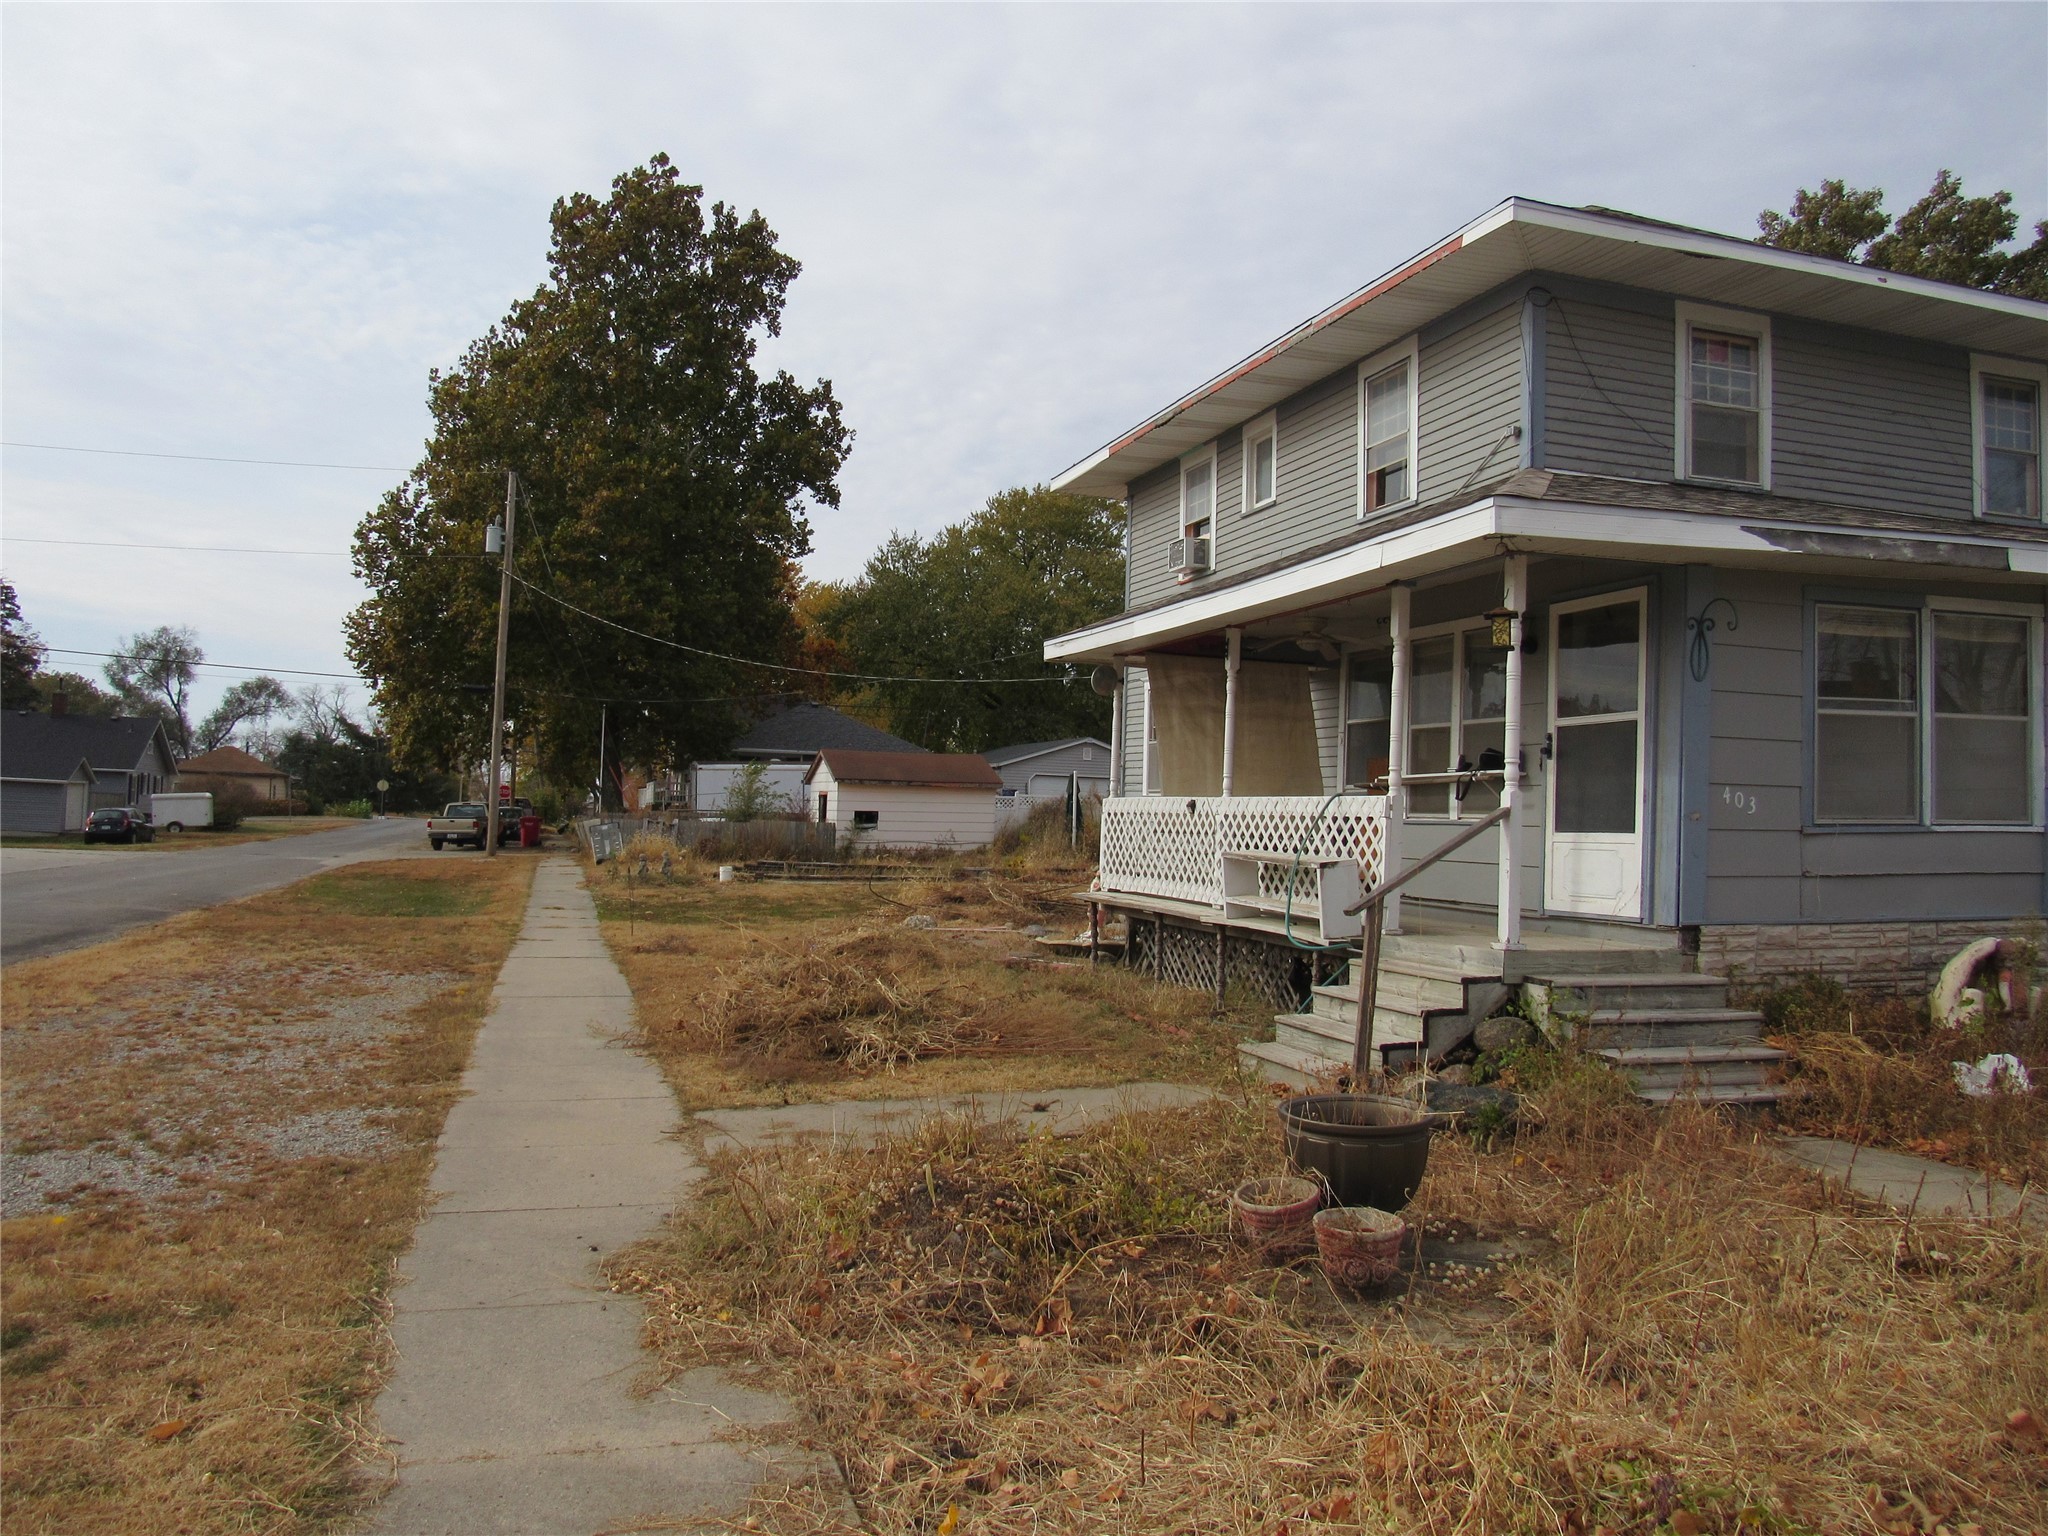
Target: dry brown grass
pixel 218 1137
pixel 1875 1070
pixel 753 991
pixel 996 1334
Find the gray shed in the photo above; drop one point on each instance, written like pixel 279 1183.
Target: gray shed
pixel 1047 767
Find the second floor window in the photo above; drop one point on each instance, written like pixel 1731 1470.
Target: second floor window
pixel 1389 438
pixel 1261 464
pixel 1726 403
pixel 2009 418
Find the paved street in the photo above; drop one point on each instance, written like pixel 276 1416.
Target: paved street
pixel 57 899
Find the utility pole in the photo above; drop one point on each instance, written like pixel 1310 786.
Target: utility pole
pixel 491 801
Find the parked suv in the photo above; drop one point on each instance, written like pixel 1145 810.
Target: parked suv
pixel 119 824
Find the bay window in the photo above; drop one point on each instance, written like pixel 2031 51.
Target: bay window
pixel 1368 717
pixel 1457 720
pixel 1925 717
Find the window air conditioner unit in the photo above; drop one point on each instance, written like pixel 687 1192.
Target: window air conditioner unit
pixel 1188 556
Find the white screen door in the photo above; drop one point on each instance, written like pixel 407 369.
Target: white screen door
pixel 1594 855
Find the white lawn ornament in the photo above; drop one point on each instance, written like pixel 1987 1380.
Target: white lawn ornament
pixel 1996 1073
pixel 1955 1002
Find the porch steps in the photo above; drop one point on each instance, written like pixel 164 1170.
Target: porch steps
pixel 1426 1002
pixel 1674 1036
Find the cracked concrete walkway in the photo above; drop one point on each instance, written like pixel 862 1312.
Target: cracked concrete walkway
pixel 511 1407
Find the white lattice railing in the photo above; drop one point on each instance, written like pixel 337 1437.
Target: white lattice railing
pixel 1157 845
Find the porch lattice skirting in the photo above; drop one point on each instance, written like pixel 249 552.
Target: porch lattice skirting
pixel 1173 847
pixel 1279 975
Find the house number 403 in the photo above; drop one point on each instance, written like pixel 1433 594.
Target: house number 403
pixel 1743 802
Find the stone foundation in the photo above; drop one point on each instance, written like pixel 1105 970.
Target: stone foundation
pixel 1883 957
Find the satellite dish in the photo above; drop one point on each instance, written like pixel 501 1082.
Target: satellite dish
pixel 1105 680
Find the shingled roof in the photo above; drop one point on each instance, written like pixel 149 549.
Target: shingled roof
pixel 802 729
pixel 230 760
pixel 931 770
pixel 39 746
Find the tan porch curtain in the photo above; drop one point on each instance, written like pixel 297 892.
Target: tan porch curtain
pixel 1276 728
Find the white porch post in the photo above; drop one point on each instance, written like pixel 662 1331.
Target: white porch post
pixel 1509 928
pixel 1397 747
pixel 1235 637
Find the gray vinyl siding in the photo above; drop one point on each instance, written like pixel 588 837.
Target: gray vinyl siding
pixel 1765 865
pixel 1471 400
pixel 1609 376
pixel 1317 482
pixel 1154 523
pixel 1083 759
pixel 1869 420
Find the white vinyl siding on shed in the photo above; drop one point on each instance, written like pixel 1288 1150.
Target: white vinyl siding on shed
pixel 906 815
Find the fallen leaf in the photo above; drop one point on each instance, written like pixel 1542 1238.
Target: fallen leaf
pixel 951 1523
pixel 1685 1523
pixel 1071 1478
pixel 2022 1425
pixel 170 1427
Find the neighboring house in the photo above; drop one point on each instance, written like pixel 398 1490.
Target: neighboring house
pixel 230 767
pixel 904 799
pixel 787 738
pixel 1048 767
pixel 45 782
pixel 1723 565
pixel 129 758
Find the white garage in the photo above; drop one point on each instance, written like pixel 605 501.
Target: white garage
pixel 904 799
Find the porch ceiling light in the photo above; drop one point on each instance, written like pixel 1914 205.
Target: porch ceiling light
pixel 1503 626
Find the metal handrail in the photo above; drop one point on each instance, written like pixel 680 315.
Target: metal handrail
pixel 1372 904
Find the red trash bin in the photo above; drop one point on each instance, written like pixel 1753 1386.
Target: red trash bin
pixel 529 831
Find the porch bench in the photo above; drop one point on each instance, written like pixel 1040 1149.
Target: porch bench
pixel 1255 884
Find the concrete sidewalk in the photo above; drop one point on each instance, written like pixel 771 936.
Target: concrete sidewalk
pixel 1916 1185
pixel 512 1407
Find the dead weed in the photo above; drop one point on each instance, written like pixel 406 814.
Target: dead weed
pixel 1002 1333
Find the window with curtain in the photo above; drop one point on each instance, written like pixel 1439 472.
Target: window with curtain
pixel 1867 715
pixel 1457 714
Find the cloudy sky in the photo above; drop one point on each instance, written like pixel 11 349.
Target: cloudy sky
pixel 249 231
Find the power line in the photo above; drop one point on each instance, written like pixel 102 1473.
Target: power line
pixel 197 549
pixel 772 666
pixel 219 666
pixel 202 458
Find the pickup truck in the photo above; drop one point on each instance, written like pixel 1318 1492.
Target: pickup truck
pixel 461 824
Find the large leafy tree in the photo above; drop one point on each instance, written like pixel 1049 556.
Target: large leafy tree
pixel 978 601
pixel 152 674
pixel 1946 235
pixel 665 484
pixel 21 652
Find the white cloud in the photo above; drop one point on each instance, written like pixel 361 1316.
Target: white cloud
pixel 252 230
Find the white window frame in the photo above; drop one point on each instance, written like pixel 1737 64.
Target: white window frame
pixel 1200 456
pixel 1410 352
pixel 1928 608
pixel 1267 426
pixel 2008 368
pixel 1741 322
pixel 1457 629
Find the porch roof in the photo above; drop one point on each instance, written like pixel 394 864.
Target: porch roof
pixel 1521 235
pixel 1537 511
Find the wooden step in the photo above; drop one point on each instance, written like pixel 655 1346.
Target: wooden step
pixel 1285 1064
pixel 1584 993
pixel 1709 1066
pixel 1738 1094
pixel 1312 1031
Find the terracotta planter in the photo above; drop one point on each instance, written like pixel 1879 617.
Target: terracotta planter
pixel 1276 1213
pixel 1359 1246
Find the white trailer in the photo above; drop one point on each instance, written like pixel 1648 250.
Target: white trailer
pixel 176 812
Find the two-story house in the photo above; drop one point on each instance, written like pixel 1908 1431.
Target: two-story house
pixel 1720 568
